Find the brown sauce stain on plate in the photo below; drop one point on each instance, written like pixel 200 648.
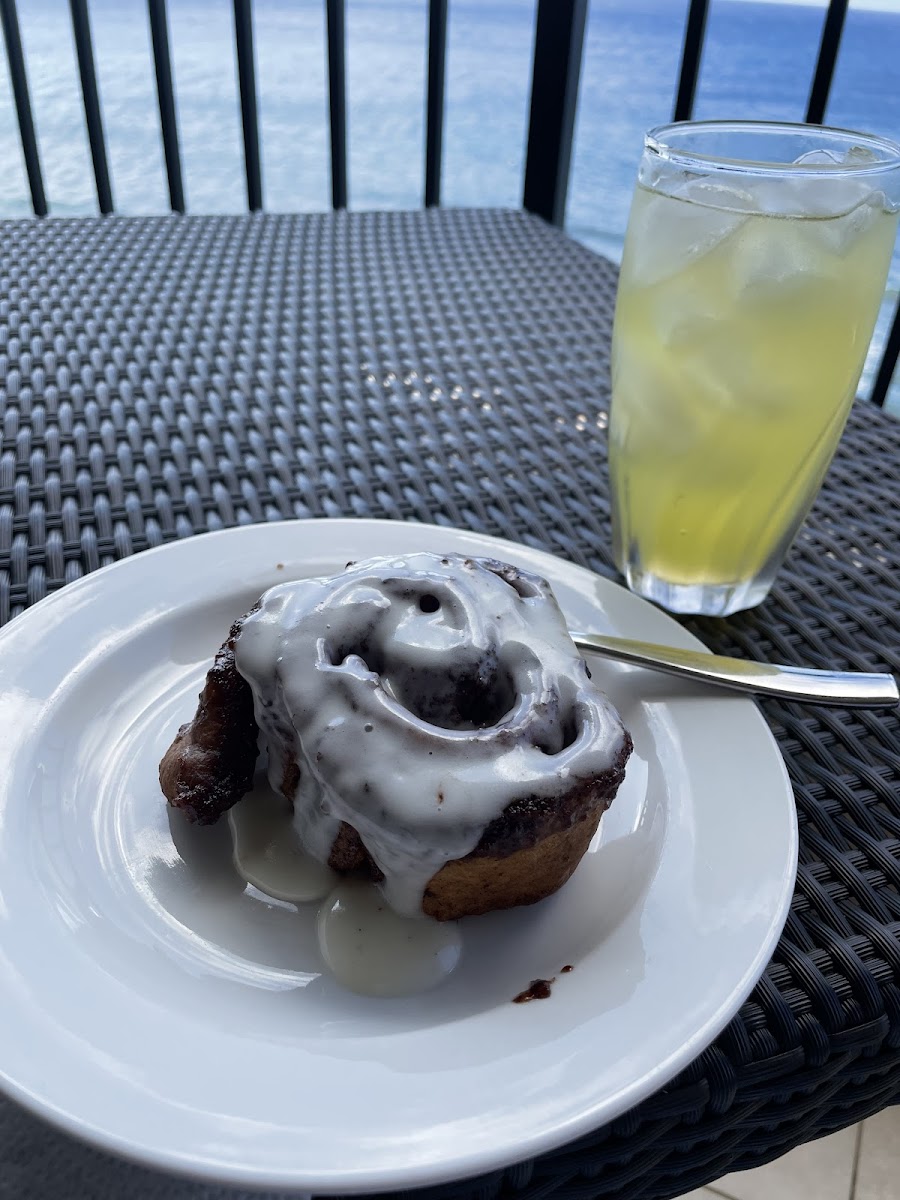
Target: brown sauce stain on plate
pixel 538 989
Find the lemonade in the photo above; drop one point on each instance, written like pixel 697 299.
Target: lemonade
pixel 743 318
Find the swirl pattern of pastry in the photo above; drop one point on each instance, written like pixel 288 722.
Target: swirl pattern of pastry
pixel 433 724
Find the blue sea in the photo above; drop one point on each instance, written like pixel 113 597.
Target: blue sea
pixel 758 63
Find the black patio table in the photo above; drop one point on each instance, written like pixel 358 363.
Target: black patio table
pixel 165 376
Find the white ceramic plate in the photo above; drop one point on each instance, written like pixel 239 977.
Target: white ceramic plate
pixel 156 1006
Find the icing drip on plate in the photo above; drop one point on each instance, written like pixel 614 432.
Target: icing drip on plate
pixel 268 852
pixel 366 946
pixel 372 950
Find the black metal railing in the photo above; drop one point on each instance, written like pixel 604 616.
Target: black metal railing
pixel 337 101
pixel 246 64
pixel 84 50
pixel 165 93
pixel 22 100
pixel 558 43
pixel 556 68
pixel 832 29
pixel 691 51
pixel 434 105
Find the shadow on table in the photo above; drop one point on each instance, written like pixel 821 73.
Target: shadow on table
pixel 40 1163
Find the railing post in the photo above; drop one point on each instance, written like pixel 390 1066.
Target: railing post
pixel 832 29
pixel 84 49
pixel 691 53
pixel 337 101
pixel 558 45
pixel 888 364
pixel 434 108
pixel 243 38
pixel 159 36
pixel 10 20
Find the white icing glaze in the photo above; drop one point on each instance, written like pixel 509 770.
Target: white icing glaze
pixel 419 697
pixel 365 945
pixel 268 852
pixel 371 950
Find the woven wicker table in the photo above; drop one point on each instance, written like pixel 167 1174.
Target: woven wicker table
pixel 162 377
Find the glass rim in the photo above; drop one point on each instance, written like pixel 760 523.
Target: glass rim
pixel 659 141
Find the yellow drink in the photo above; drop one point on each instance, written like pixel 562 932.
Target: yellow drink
pixel 738 344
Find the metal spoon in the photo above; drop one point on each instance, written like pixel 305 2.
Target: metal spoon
pixel 847 688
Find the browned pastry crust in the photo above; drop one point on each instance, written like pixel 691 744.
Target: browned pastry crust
pixel 481 883
pixel 210 765
pixel 525 855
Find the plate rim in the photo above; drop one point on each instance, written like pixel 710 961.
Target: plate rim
pixel 468 1165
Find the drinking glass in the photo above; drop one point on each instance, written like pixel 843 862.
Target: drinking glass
pixel 754 267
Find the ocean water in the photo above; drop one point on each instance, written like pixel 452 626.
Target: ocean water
pixel 758 62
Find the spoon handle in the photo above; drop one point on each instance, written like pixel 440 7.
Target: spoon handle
pixel 847 688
